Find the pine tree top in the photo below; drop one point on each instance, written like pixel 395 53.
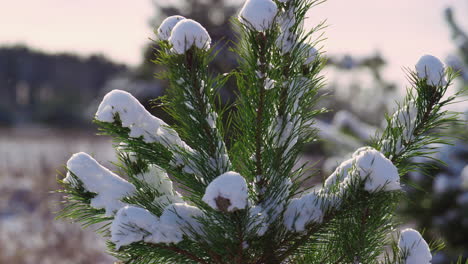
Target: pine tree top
pixel 220 183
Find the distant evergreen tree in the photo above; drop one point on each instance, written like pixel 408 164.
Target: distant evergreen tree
pixel 50 88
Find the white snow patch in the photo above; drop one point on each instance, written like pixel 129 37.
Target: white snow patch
pixel 269 83
pixel 259 220
pixel 373 167
pixel 297 87
pixel 286 42
pixel 302 211
pixel 165 29
pixel 159 180
pixel 286 39
pixel 282 130
pixel 378 171
pixel 405 119
pixel 432 69
pixel 167 199
pixel 109 187
pixel 269 211
pixel 122 147
pixel 176 220
pixel 274 205
pixel 287 20
pixel 134 116
pixel 258 14
pixel 340 173
pixel 132 224
pixel 231 186
pixel 414 247
pixel 188 33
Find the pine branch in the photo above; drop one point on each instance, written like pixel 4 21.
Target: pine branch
pixel 260 118
pixel 152 153
pixel 257 214
pixel 401 143
pixel 77 206
pixel 191 103
pixel 182 252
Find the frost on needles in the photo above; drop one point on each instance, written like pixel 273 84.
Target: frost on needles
pixel 200 190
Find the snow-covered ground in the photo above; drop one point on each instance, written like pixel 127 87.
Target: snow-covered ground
pixel 29 160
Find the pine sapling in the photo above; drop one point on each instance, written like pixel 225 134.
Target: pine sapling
pixel 222 185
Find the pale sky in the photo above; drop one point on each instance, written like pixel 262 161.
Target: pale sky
pixel 402 30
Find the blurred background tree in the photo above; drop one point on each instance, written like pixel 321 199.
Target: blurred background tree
pixel 459 60
pixel 49 88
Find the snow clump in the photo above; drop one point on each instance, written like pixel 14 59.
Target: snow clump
pixel 340 174
pixel 109 187
pixel 133 115
pixel 302 211
pixel 165 29
pixel 432 69
pixel 229 188
pixel 258 14
pixel 178 219
pixel 158 179
pixel 132 224
pixel 188 33
pixel 414 248
pixel 378 172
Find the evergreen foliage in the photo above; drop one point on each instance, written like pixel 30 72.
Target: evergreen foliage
pixel 347 220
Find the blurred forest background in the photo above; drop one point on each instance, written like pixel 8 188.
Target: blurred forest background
pixel 48 99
